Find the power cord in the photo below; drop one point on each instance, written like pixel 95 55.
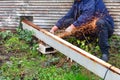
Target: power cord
pixel 106 72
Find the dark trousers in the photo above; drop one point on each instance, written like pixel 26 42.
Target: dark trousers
pixel 104 31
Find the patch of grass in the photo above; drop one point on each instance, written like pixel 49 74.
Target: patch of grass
pixel 14 44
pixel 115 44
pixel 22 68
pixel 28 64
pixel 25 63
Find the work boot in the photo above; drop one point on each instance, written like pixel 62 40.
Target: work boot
pixel 105 57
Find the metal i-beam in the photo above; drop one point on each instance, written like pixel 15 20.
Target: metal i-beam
pixel 90 62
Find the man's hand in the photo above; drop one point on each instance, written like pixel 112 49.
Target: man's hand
pixel 70 28
pixel 54 28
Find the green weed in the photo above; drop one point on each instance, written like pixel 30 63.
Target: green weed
pixel 30 64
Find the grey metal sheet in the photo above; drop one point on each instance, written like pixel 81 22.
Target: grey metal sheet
pixel 44 10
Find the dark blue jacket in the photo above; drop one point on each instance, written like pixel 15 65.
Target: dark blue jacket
pixel 84 10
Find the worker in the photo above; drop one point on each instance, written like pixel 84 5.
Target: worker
pixel 83 11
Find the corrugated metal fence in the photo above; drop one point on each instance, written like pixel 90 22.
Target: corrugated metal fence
pixel 114 9
pixel 45 13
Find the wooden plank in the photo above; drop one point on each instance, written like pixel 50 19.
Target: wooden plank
pixel 90 62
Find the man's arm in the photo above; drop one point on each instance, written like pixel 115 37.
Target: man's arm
pixel 53 29
pixel 70 14
pixel 87 13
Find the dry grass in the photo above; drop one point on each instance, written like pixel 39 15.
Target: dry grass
pixel 87 29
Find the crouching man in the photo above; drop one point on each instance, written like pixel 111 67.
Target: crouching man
pixel 81 12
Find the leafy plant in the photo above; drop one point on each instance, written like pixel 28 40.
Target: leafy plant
pixel 25 35
pixel 115 43
pixel 91 47
pixel 14 44
pixel 6 34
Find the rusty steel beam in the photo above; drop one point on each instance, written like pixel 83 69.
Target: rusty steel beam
pixel 90 62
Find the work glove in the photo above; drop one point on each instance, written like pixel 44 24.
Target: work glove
pixel 70 28
pixel 54 28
